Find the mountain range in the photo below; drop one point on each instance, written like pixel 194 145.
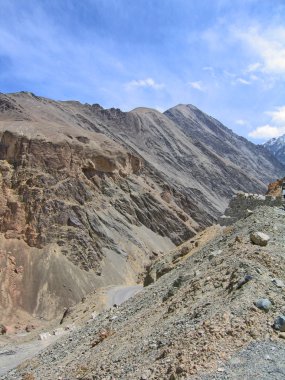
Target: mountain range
pixel 90 196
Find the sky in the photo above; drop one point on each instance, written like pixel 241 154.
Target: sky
pixel 226 57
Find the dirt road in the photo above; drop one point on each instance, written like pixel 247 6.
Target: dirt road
pixel 11 355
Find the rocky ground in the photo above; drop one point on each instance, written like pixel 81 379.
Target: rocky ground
pixel 209 314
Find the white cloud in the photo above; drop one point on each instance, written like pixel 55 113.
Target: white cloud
pixel 198 85
pixel 275 128
pixel 266 132
pixel 278 116
pixel 269 45
pixel 145 83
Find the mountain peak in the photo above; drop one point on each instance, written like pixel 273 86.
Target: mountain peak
pixel 276 146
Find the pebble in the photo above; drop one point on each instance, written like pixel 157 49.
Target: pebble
pixel 279 323
pixel 278 283
pixel 246 279
pixel 263 304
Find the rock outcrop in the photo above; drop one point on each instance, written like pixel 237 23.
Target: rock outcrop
pixel 242 204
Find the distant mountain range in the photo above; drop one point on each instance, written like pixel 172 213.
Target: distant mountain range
pixel 277 147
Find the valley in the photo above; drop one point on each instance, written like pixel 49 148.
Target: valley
pixel 96 202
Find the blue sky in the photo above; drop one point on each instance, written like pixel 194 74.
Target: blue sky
pixel 226 57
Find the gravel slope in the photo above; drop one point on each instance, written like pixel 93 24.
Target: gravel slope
pixel 192 320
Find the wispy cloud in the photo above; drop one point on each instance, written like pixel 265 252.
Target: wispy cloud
pixel 145 83
pixel 198 85
pixel 269 45
pixel 243 81
pixel 252 67
pixel 241 122
pixel 278 115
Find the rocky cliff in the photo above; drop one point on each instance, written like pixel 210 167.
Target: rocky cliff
pixel 89 196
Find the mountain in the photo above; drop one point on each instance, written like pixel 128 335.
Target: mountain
pixel 91 195
pixel 276 146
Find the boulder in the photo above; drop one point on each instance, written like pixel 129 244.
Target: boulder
pixel 259 238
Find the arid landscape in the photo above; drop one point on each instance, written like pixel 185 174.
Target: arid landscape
pixel 142 190
pixel 96 203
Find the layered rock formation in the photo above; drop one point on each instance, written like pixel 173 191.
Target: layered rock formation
pixel 90 195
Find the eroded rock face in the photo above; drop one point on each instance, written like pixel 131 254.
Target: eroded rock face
pixel 79 202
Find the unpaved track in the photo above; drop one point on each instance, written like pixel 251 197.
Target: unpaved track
pixel 11 355
pixel 119 294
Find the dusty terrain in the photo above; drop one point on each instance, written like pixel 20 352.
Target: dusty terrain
pixel 192 320
pixel 91 197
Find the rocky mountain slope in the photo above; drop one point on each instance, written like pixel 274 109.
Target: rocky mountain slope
pixel 221 298
pixel 276 146
pixel 90 196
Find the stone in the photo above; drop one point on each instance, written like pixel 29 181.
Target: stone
pixel 278 283
pixel 184 250
pixel 29 328
pixel 263 304
pixel 58 331
pixel 259 238
pixel 245 280
pixel 238 239
pixel 279 323
pixel 214 254
pixel 179 369
pixel 282 335
pixel 3 329
pixel 94 315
